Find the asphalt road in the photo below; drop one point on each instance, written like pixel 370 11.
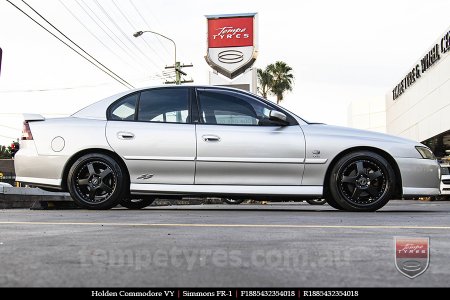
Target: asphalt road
pixel 295 245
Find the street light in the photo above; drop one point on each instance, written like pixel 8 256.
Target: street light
pixel 177 74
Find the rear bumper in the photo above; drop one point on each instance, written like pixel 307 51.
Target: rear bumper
pixel 420 177
pixel 30 167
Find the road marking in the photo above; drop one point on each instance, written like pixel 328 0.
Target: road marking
pixel 229 225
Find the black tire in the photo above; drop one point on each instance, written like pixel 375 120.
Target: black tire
pixel 316 201
pixel 138 202
pixel 362 181
pixel 331 202
pixel 96 181
pixel 233 201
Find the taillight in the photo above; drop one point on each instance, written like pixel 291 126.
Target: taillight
pixel 26 131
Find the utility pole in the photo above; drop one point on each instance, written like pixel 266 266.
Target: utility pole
pixel 178 73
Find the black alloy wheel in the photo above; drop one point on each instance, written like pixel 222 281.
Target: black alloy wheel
pixel 233 201
pixel 96 181
pixel 362 181
pixel 316 201
pixel 137 202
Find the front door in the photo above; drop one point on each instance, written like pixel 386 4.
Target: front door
pixel 152 132
pixel 238 145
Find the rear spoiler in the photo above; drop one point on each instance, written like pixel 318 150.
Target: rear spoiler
pixel 33 117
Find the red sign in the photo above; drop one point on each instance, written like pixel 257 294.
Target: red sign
pixel 412 255
pixel 230 32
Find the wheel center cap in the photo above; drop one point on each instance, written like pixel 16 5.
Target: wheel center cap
pixel 363 181
pixel 95 181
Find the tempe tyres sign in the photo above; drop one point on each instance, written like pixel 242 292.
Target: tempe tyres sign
pixel 231 43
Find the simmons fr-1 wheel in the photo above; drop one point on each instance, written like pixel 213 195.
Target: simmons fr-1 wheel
pixel 96 181
pixel 138 202
pixel 362 181
pixel 233 201
pixel 316 201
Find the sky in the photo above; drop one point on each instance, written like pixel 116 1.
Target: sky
pixel 340 51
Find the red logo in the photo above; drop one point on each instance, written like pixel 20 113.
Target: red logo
pixel 230 32
pixel 412 255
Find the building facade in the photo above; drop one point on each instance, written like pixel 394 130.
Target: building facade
pixel 368 114
pixel 418 106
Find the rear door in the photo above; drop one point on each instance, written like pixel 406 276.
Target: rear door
pixel 152 131
pixel 237 145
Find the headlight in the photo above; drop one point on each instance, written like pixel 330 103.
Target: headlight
pixel 425 152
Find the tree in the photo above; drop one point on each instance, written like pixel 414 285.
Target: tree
pixel 282 79
pixel 5 153
pixel 265 81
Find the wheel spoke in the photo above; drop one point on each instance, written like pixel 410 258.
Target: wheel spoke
pixel 106 188
pixel 90 168
pixel 375 175
pixel 373 191
pixel 349 179
pixel 92 194
pixel 356 193
pixel 83 181
pixel 105 173
pixel 360 168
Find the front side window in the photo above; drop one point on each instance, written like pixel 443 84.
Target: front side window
pixel 124 109
pixel 228 108
pixel 168 105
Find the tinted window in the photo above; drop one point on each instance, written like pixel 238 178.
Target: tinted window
pixel 124 109
pixel 169 105
pixel 229 108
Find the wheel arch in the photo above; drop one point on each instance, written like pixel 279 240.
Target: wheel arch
pixel 79 154
pixel 398 192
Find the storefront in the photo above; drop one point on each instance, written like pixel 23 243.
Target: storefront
pixel 418 106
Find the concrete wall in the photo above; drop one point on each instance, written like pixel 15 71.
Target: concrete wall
pixel 367 114
pixel 423 110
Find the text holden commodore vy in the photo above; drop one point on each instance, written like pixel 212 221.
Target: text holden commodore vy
pixel 176 141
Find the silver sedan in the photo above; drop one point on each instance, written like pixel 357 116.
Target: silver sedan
pixel 176 141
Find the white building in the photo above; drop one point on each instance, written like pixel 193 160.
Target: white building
pixel 368 114
pixel 418 106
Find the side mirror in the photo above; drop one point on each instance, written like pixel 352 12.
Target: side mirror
pixel 278 117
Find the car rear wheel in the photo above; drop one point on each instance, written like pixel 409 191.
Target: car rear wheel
pixel 96 181
pixel 138 202
pixel 233 201
pixel 316 201
pixel 362 181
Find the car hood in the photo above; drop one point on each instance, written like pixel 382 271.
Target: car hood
pixel 360 134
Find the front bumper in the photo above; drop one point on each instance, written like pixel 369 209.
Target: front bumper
pixel 420 177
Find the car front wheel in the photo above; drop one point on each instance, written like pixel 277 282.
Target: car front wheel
pixel 96 181
pixel 362 181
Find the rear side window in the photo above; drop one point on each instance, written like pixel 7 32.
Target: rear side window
pixel 167 105
pixel 124 109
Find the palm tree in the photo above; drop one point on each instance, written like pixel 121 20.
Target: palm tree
pixel 282 79
pixel 265 81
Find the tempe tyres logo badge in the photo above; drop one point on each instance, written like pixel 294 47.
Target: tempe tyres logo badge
pixel 412 255
pixel 232 43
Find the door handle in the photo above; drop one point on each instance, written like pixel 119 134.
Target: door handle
pixel 211 138
pixel 125 135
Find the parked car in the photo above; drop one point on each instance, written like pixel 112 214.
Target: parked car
pixel 216 142
pixel 445 181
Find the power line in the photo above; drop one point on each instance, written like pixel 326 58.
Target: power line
pixel 126 83
pixel 123 33
pixel 91 33
pixel 127 52
pixel 149 27
pixel 134 28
